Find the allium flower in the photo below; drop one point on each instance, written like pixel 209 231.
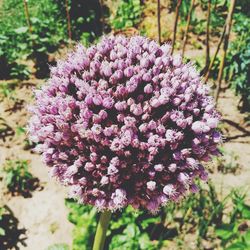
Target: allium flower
pixel 123 122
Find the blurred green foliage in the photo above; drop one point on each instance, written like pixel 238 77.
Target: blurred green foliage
pixel 203 214
pixel 84 218
pixel 48 32
pixel 18 44
pixel 7 90
pixel 128 14
pixel 126 232
pixel 198 22
pixel 235 233
pixel 238 60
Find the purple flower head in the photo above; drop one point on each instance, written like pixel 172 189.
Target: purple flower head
pixel 125 123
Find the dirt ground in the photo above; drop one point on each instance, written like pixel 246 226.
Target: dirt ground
pixel 237 142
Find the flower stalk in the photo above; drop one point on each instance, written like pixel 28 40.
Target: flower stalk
pixel 101 231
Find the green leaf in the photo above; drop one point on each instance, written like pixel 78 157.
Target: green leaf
pixel 119 239
pixel 144 242
pixel 21 30
pixel 2 232
pixel 34 20
pixel 247 238
pixel 130 230
pixel 42 49
pixel 145 223
pixel 20 131
pixel 58 247
pixel 80 20
pixel 9 178
pixel 237 246
pixel 129 23
pixel 246 212
pixel 34 36
pixel 225 232
pixel 44 39
pixel 22 46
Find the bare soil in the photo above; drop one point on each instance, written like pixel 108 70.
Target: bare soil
pixel 237 142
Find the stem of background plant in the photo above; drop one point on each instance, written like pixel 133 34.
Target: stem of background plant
pixel 187 27
pixel 26 10
pixel 215 55
pixel 224 53
pixel 102 16
pixel 207 36
pixel 159 20
pixel 175 24
pixel 101 230
pixel 68 20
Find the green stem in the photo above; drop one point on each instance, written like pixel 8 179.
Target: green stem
pixel 102 228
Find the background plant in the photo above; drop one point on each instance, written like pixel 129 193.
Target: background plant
pixel 85 19
pixel 48 33
pixel 17 44
pixel 127 15
pixel 235 232
pixel 18 178
pixel 7 90
pixel 238 66
pixel 85 220
pixel 203 214
pixel 127 228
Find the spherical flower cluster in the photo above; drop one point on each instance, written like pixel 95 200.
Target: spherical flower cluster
pixel 123 122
